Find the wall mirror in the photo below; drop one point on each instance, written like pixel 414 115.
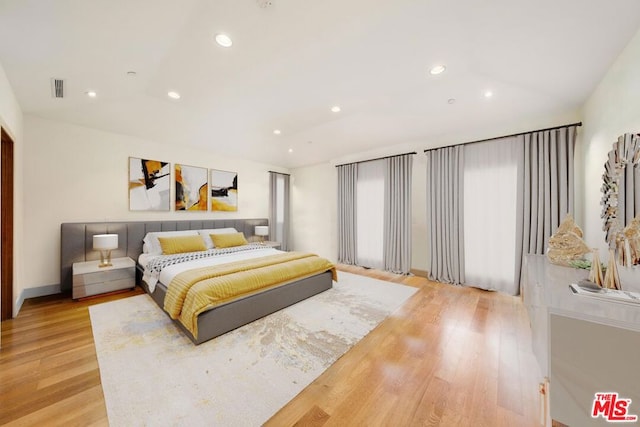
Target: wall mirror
pixel 621 198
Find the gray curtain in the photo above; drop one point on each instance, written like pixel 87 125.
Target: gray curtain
pixel 445 182
pixel 397 207
pixel 546 180
pixel 279 209
pixel 347 178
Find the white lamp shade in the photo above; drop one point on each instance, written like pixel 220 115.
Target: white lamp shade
pixel 262 230
pixel 105 241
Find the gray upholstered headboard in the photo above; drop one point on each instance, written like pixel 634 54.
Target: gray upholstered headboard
pixel 77 238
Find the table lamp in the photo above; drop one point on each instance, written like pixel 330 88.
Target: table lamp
pixel 262 230
pixel 105 243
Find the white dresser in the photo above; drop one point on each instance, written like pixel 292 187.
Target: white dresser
pixel 583 345
pixel 89 279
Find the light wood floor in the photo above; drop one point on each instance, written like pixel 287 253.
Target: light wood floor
pixel 450 356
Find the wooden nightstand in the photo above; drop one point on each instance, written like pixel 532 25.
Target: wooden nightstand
pixel 275 245
pixel 89 279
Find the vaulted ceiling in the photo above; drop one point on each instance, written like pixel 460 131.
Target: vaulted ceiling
pixel 292 60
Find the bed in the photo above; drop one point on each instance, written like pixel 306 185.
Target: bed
pixel 228 313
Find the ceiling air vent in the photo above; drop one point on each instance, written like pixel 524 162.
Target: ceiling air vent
pixel 57 88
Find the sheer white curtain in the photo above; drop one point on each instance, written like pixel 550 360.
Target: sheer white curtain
pixel 490 214
pixel 370 214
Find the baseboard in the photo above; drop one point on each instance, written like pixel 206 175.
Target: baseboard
pixel 420 273
pixel 40 291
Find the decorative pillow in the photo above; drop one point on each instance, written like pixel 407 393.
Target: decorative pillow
pixel 228 240
pixel 151 245
pixel 205 234
pixel 181 244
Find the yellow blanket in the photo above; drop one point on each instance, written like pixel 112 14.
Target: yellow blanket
pixel 195 291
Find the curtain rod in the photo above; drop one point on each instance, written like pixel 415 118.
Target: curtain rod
pixel 513 134
pixel 378 158
pixel 281 173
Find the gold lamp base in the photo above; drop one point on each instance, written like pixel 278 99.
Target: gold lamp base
pixel 105 262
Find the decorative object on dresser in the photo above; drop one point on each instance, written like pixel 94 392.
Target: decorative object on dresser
pixel 105 243
pixel 631 234
pixel 566 244
pixel 224 191
pixel 149 182
pixel 261 231
pixel 611 276
pixel 620 205
pixel 595 274
pixel 191 188
pixel 89 279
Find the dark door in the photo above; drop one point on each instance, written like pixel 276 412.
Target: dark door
pixel 6 225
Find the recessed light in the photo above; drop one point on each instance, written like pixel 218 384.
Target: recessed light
pixel 438 69
pixel 335 109
pixel 451 100
pixel 224 40
pixel 488 94
pixel 277 132
pixel 91 93
pixel 173 95
pixel 291 150
pixel 131 74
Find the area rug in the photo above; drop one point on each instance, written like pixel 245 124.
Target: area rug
pixel 153 375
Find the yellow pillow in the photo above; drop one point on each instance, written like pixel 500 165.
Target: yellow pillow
pixel 228 240
pixel 181 244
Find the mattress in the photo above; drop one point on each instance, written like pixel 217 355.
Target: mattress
pixel 167 273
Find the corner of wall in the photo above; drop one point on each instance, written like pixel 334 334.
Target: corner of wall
pixel 17 305
pixel 28 293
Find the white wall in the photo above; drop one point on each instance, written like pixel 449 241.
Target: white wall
pixel 74 173
pixel 612 109
pixel 10 112
pixel 11 121
pixel 314 207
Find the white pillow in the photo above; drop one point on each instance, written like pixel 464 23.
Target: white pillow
pixel 151 244
pixel 207 239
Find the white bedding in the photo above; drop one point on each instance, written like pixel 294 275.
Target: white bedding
pixel 169 272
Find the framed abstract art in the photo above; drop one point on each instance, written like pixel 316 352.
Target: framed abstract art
pixel 149 185
pixel 224 191
pixel 191 188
